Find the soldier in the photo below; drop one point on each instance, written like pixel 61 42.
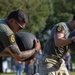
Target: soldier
pixel 56 47
pixel 14 22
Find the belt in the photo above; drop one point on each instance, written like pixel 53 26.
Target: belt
pixel 51 59
pixel 54 57
pixel 51 56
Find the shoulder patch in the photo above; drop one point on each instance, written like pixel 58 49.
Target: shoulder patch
pixel 59 28
pixel 12 38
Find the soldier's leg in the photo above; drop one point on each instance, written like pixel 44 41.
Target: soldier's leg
pixel 62 70
pixel 47 68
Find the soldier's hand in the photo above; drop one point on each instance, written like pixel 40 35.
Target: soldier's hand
pixel 37 45
pixel 73 38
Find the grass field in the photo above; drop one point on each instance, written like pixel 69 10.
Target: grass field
pixel 72 73
pixel 10 74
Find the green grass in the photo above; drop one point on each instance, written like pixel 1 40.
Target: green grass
pixel 72 73
pixel 10 74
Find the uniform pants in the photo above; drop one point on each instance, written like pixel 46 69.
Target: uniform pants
pixel 50 66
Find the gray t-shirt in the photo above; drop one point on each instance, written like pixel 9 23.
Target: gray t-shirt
pixel 50 48
pixel 6 35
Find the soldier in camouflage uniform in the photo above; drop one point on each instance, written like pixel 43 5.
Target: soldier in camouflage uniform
pixel 52 62
pixel 14 22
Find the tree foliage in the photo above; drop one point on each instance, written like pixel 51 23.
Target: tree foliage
pixel 37 11
pixel 42 14
pixel 40 11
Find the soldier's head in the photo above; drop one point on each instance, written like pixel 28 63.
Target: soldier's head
pixel 17 20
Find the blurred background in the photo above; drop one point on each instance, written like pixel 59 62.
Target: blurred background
pixel 42 15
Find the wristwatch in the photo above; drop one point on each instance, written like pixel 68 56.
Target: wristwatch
pixel 71 39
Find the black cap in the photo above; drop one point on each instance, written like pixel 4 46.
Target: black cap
pixel 19 15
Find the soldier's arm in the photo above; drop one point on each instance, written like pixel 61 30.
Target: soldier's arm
pixel 18 55
pixel 5 53
pixel 24 55
pixel 59 35
pixel 12 48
